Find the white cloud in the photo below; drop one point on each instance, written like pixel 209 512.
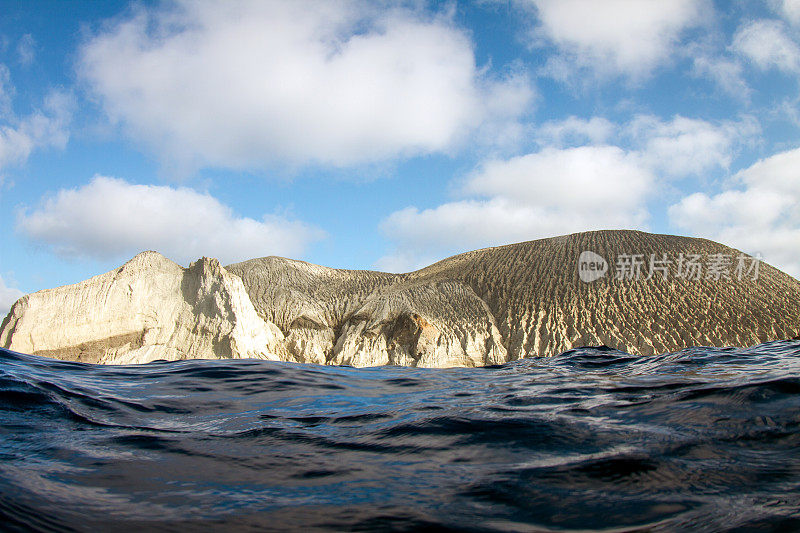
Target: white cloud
pixel 791 10
pixel 630 37
pixel 684 146
pixel 6 90
pixel 674 148
pixel 471 224
pixel 45 127
pixel 42 128
pixel 552 192
pixel 573 179
pixel 576 131
pixel 111 218
pixel 250 83
pixel 760 216
pixel 8 295
pixel 26 49
pixel 766 44
pixel 564 188
pixel 726 73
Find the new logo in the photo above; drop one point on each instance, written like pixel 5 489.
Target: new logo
pixel 591 266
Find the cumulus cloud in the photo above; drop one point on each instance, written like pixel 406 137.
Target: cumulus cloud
pixel 760 215
pixel 8 295
pixel 766 44
pixel 791 10
pixel 726 73
pixel 684 146
pixel 250 83
pixel 581 179
pixel 551 192
pixel 575 179
pixel 629 37
pixel 575 131
pixel 110 218
pixel 674 148
pixel 45 127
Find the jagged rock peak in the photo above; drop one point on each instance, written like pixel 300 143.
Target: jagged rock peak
pixel 150 308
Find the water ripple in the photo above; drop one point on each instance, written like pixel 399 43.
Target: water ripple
pixel 593 439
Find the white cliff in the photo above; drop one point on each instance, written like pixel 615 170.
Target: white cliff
pixel 150 308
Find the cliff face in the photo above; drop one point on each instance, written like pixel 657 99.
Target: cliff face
pixel 150 308
pixel 483 307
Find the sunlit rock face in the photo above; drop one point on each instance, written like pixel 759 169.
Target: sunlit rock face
pixel 483 307
pixel 150 308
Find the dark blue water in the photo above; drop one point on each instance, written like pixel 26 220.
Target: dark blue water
pixel 704 439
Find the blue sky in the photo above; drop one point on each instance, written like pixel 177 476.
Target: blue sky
pixel 387 135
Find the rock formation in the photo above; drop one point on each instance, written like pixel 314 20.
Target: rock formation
pixel 150 308
pixel 364 318
pixel 483 307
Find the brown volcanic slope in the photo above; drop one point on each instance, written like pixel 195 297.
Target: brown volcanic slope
pixel 483 307
pixel 542 307
pixel 534 297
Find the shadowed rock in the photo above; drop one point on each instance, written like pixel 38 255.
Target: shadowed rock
pixel 482 307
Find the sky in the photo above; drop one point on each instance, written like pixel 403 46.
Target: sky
pixel 389 134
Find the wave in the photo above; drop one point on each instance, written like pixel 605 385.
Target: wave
pixel 592 439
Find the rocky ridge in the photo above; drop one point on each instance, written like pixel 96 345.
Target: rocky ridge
pixel 150 308
pixel 483 307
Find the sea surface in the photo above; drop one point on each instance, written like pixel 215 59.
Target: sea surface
pixel 593 439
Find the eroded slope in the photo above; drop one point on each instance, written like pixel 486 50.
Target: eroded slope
pixel 482 307
pixel 542 307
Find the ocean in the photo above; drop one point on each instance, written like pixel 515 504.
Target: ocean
pixel 592 439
